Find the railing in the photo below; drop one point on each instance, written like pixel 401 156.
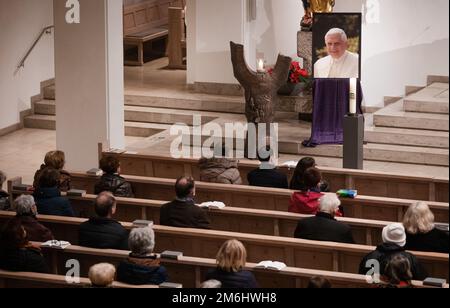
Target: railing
pixel 46 30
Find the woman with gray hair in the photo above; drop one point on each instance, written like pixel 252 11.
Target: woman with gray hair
pixel 142 266
pixel 26 212
pixel 4 196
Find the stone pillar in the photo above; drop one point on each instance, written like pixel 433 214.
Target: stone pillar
pixel 89 80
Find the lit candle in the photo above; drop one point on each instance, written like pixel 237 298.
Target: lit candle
pixel 353 84
pixel 261 66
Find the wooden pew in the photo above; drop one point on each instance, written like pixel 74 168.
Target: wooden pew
pixel 367 183
pixel 177 39
pixel 146 22
pixel 13 280
pixel 327 256
pixel 363 207
pixel 191 271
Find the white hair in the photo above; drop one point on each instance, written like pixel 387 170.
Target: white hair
pixel 329 203
pixel 24 205
pixel 142 241
pixel 339 31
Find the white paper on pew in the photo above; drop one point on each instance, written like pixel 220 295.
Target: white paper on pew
pixel 271 265
pixel 290 164
pixel 213 205
pixel 56 244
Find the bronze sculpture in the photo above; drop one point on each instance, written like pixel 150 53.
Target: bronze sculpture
pixel 315 6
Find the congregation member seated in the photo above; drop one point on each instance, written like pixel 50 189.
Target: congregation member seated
pixel 48 196
pixel 17 254
pixel 267 175
pixel 220 170
pixel 55 160
pixel 4 196
pixel 297 182
pixel 231 260
pixel 397 274
pixel 324 227
pixel 111 180
pixel 319 282
pixel 26 212
pixel 102 275
pixel 421 232
pixel 142 266
pixel 182 212
pixel 102 231
pixel 394 241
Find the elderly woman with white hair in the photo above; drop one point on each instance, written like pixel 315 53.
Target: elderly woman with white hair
pixel 324 226
pixel 142 266
pixel 421 232
pixel 26 212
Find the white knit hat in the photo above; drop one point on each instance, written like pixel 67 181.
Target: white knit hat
pixel 395 233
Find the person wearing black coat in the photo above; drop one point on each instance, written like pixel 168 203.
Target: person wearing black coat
pixel 182 212
pixel 48 196
pixel 111 180
pixel 421 232
pixel 324 227
pixel 394 240
pixel 267 175
pixel 102 231
pixel 231 260
pixel 17 254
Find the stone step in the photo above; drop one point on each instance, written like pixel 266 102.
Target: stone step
pixel 410 137
pixel 50 92
pixel 394 116
pixel 40 121
pixel 433 99
pixel 375 152
pixel 45 107
pixel 137 129
pixel 206 102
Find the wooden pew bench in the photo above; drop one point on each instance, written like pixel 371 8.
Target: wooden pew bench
pixel 254 221
pixel 367 183
pixel 363 207
pixel 327 256
pixel 191 271
pixel 146 22
pixel 13 280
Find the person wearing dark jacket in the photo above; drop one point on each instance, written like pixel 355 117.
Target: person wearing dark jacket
pixel 102 231
pixel 182 212
pixel 142 266
pixel 267 175
pixel 48 196
pixel 111 180
pixel 421 232
pixel 231 260
pixel 4 196
pixel 26 212
pixel 17 254
pixel 324 227
pixel 55 160
pixel 394 241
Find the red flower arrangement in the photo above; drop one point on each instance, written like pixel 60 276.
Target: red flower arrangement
pixel 296 73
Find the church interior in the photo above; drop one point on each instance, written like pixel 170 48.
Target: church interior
pixel 135 94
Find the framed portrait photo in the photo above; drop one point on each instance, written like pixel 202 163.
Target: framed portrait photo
pixel 337 45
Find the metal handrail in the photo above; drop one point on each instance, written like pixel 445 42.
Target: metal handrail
pixel 46 30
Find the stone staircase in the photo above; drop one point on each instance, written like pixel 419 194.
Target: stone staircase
pixel 414 129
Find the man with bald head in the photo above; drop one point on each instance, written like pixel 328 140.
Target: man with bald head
pixel 340 63
pixel 102 231
pixel 182 212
